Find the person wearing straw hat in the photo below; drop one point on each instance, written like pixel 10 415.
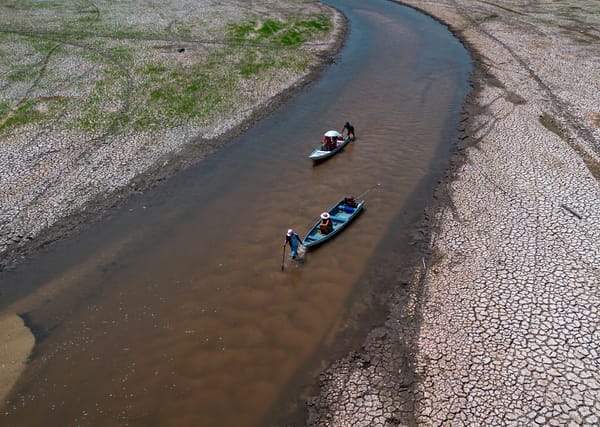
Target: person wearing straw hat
pixel 326 225
pixel 293 239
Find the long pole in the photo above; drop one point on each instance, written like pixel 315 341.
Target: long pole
pixel 283 256
pixel 365 193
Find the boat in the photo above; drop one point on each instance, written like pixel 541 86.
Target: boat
pixel 341 215
pixel 321 153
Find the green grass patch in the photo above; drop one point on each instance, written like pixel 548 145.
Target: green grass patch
pixel 284 33
pixel 157 95
pixel 121 53
pixel 252 63
pixel 320 23
pixel 93 119
pixel 93 113
pixel 23 73
pixel 26 113
pixel 242 32
pixel 4 108
pixel 291 33
pixel 88 19
pixel 154 70
pixel 269 27
pixel 184 94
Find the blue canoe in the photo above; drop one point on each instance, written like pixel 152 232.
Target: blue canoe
pixel 341 215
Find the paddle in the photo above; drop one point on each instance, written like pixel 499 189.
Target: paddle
pixel 283 256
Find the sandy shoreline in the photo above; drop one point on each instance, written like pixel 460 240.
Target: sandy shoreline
pixel 17 343
pixel 500 326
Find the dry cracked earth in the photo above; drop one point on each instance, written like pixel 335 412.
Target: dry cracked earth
pixel 500 325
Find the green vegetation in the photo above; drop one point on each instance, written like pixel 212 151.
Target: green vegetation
pixel 173 96
pixel 25 113
pixel 94 113
pixel 121 53
pixel 22 73
pixel 289 33
pixel 31 110
pixel 275 34
pixel 78 66
pixel 4 107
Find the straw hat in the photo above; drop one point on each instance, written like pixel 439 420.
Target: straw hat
pixel 324 215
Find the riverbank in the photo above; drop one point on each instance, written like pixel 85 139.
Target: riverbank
pixel 70 149
pixel 499 324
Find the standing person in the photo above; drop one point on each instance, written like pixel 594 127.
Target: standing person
pixel 294 241
pixel 348 127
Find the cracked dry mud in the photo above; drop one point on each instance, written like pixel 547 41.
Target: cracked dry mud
pixel 500 326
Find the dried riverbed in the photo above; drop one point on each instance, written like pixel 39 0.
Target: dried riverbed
pixel 505 313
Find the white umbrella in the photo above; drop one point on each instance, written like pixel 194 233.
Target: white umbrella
pixel 333 133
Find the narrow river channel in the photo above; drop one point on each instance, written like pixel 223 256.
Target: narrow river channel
pixel 173 310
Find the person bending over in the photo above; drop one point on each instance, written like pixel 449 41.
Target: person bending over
pixel 349 129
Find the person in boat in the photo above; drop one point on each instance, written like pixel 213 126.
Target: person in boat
pixel 350 201
pixel 326 225
pixel 332 144
pixel 350 130
pixel 293 239
pixel 329 143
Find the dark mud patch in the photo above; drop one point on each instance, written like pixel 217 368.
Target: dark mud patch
pixel 553 126
pixel 515 98
pixel 592 165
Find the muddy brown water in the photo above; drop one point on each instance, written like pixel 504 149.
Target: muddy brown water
pixel 173 310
